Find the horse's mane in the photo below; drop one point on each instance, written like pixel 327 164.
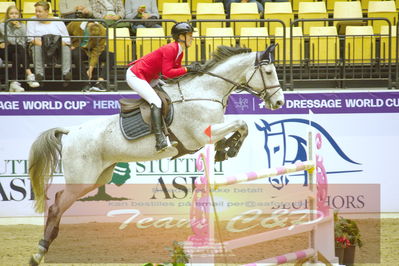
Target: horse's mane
pixel 220 55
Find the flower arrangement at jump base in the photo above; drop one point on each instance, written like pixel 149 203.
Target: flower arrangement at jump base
pixel 178 256
pixel 347 237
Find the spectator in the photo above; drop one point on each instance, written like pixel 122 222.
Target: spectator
pixel 88 43
pixel 110 10
pixel 142 9
pixel 37 29
pixel 75 9
pixel 16 49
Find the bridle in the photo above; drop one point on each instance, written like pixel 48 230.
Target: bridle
pixel 239 87
pixel 258 66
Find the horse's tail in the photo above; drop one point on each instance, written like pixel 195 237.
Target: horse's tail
pixel 44 156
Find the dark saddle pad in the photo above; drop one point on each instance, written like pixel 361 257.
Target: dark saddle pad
pixel 135 116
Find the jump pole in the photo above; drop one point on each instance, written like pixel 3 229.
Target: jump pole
pixel 326 222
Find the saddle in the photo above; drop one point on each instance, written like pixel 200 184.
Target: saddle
pixel 135 119
pixel 135 116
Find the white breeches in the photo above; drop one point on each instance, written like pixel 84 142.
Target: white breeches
pixel 143 88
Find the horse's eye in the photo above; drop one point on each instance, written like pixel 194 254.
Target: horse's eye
pixel 268 72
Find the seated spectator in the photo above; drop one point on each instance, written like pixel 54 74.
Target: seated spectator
pixel 16 49
pixel 75 9
pixel 110 10
pixel 88 43
pixel 38 29
pixel 144 10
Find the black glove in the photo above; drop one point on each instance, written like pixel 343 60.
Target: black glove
pixel 194 67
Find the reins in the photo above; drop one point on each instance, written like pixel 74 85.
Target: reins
pixel 236 86
pixel 183 99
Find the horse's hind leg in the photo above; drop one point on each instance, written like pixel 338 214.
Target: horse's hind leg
pixel 63 200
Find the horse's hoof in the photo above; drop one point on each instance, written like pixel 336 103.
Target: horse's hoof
pixel 33 262
pixel 233 140
pixel 233 151
pixel 220 156
pixel 220 145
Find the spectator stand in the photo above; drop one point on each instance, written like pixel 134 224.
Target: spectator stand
pixel 381 9
pixel 53 77
pixel 128 48
pixel 359 57
pixel 333 67
pixel 321 55
pixel 396 49
pixel 211 37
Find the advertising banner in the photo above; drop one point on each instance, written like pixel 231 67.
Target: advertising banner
pixel 359 131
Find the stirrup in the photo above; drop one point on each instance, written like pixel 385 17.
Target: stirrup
pixel 169 144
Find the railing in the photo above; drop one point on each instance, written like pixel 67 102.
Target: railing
pixel 298 59
pixel 260 43
pixel 139 46
pixel 347 66
pixel 55 77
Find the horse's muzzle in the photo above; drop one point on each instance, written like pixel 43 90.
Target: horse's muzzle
pixel 279 104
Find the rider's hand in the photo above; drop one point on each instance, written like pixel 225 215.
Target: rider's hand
pixel 194 67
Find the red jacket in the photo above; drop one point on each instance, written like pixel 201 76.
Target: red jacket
pixel 163 60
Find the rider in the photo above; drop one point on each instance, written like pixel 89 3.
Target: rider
pixel 144 73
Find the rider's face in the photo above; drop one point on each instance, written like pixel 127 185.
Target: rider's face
pixel 187 38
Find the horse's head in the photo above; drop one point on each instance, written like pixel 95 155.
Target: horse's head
pixel 263 80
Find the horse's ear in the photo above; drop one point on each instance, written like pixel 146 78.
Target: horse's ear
pixel 268 54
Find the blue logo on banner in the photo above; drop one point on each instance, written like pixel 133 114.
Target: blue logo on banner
pixel 283 146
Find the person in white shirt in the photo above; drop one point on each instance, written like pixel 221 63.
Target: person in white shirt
pixel 37 29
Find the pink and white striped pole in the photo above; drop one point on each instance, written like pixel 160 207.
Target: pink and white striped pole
pixel 302 254
pixel 250 176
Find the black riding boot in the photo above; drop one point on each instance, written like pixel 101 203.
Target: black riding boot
pixel 156 118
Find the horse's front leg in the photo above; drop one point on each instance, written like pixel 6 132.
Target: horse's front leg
pixel 227 148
